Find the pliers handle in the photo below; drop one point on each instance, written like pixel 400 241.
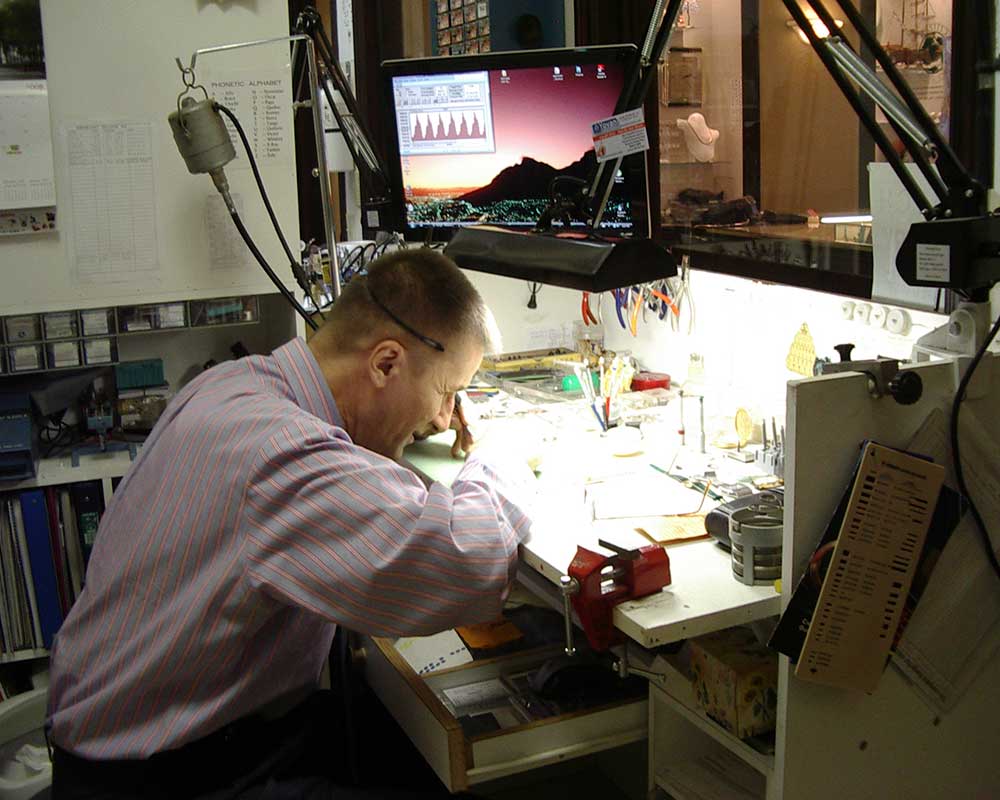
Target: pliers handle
pixel 621 300
pixel 585 312
pixel 668 302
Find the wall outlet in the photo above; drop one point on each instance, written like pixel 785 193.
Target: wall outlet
pixel 878 316
pixel 897 321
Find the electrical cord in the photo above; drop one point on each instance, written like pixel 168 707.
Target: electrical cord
pixel 354 261
pixel 534 288
pixel 396 239
pixel 354 255
pixel 300 276
pixel 955 454
pixel 66 435
pixel 270 272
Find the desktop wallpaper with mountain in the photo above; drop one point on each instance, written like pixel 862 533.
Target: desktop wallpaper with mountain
pixel 541 125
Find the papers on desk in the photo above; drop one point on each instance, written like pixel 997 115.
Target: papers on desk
pixel 660 530
pixel 429 653
pixel 654 495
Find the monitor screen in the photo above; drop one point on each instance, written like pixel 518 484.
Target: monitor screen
pixel 480 138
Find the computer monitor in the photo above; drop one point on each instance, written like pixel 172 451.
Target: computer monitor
pixel 478 139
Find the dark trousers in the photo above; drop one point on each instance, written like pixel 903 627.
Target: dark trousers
pixel 302 755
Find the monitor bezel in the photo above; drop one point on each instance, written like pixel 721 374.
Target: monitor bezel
pixel 624 54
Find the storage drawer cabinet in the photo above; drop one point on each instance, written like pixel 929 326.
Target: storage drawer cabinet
pixel 461 760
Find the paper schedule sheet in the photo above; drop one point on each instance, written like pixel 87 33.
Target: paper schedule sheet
pixel 26 172
pixel 226 248
pixel 113 199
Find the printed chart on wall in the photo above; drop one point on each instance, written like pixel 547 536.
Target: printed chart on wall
pixel 226 248
pixel 262 102
pixel 113 201
pixel 27 185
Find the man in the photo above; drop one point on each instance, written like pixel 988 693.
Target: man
pixel 267 507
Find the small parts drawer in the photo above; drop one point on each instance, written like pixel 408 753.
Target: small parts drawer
pixel 503 730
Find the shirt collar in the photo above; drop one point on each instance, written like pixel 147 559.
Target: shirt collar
pixel 305 379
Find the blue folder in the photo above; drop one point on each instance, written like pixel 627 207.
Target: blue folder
pixel 43 572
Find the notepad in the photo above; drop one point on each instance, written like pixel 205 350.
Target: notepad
pixel 428 654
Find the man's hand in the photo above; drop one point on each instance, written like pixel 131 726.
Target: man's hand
pixel 463 437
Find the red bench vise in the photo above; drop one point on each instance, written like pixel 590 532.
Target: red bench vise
pixel 601 582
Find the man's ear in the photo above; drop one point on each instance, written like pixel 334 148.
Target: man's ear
pixel 385 361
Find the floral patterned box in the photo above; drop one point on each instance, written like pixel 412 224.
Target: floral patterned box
pixel 735 680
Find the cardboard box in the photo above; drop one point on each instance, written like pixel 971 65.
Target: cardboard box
pixel 735 680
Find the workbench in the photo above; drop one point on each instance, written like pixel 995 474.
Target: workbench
pixel 703 597
pixel 829 743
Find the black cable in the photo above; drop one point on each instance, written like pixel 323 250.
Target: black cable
pixel 67 436
pixel 347 691
pixel 347 268
pixel 270 272
pixel 296 266
pixel 959 477
pixel 381 249
pixel 534 288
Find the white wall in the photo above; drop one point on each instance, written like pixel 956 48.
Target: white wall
pixel 744 330
pixel 548 325
pixel 112 61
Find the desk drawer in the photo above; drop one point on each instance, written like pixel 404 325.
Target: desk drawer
pixel 461 760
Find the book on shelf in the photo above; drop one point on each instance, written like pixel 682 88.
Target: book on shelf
pixel 19 581
pixel 57 543
pixel 88 502
pixel 45 538
pixel 10 615
pixel 71 539
pixel 42 560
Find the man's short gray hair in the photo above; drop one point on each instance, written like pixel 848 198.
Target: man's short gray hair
pixel 423 288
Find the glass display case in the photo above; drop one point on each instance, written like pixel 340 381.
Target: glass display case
pixel 760 154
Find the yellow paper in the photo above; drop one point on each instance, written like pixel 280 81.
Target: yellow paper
pixel 660 530
pixel 487 635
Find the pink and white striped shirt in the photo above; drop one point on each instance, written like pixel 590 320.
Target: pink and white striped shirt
pixel 249 526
